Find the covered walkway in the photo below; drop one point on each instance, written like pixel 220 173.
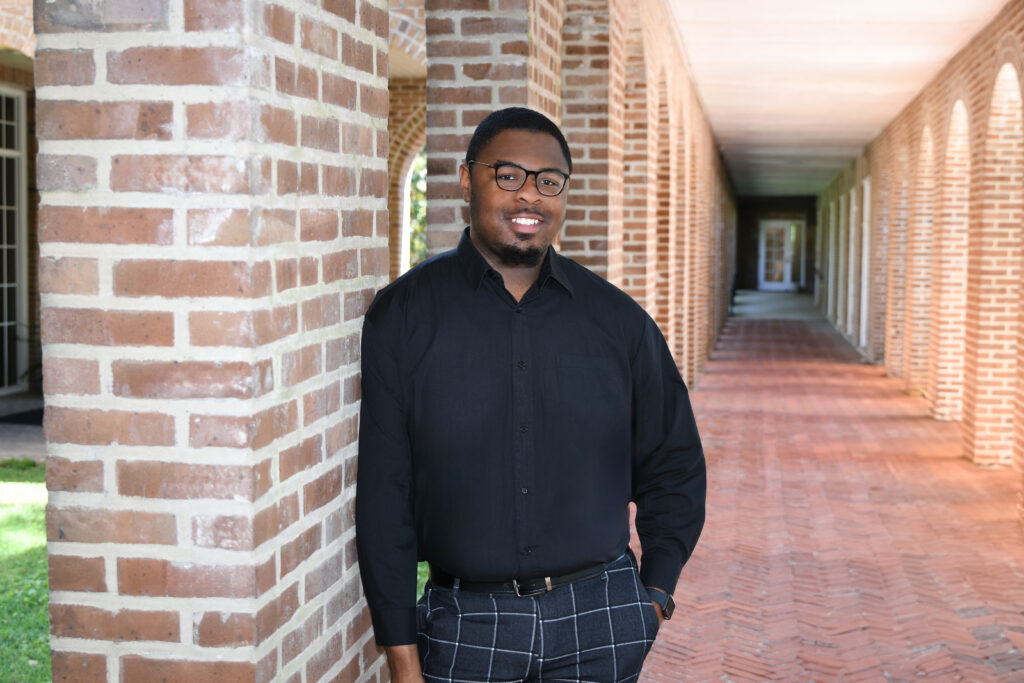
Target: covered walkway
pixel 847 537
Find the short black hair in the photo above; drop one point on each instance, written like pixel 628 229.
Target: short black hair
pixel 515 118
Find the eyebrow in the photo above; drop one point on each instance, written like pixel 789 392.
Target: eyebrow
pixel 500 162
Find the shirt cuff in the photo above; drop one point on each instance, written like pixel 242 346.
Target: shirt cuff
pixel 660 569
pixel 394 626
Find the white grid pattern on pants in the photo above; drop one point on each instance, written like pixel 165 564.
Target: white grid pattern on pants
pixel 599 629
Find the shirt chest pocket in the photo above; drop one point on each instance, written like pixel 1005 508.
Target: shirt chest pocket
pixel 593 386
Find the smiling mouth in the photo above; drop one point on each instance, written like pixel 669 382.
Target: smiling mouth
pixel 526 221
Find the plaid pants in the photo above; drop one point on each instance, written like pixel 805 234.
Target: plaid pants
pixel 599 629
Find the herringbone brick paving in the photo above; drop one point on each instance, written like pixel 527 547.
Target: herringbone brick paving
pixel 847 539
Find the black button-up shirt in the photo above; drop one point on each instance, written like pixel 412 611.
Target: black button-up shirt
pixel 503 439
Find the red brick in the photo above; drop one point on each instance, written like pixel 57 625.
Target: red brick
pixel 223 431
pixel 80 621
pixel 342 601
pixel 318 225
pixel 301 457
pixel 68 120
pixel 373 101
pixel 273 423
pixel 320 403
pixel 145 15
pixel 374 19
pixel 339 182
pixel 287 272
pixel 340 91
pixel 177 66
pixel 83 525
pixel 156 479
pixel 218 120
pixel 297 551
pixel 64 67
pixel 105 427
pixel 105 225
pixel 322 490
pixel 340 435
pixel 325 658
pixel 301 364
pixel 228 532
pixel 191 278
pixel 70 376
pixel 218 227
pixel 322 311
pixel 357 223
pixel 320 133
pixel 346 9
pixel 302 637
pixel 72 573
pixel 214 15
pixel 279 23
pixel 175 174
pixel 274 226
pixel 277 612
pixel 308 271
pixel 191 379
pixel 356 54
pixel 225 629
pixel 374 261
pixel 342 265
pixel 356 303
pixel 277 125
pixel 71 172
pixel 138 668
pixel 142 576
pixel 272 520
pixel 74 475
pixel 68 275
pixel 319 38
pixel 324 576
pixel 74 667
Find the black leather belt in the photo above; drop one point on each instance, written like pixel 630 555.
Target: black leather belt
pixel 521 587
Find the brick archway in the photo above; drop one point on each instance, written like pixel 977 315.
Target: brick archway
pixel 949 268
pixel 994 275
pixel 16 30
pixel 919 268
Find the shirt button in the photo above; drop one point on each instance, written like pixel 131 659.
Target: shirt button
pixel 525 490
pixel 527 550
pixel 524 428
pixel 519 311
pixel 522 364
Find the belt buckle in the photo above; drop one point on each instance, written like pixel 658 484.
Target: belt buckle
pixel 530 594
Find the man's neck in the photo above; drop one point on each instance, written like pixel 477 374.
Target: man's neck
pixel 518 279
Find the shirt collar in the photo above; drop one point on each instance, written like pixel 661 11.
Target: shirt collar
pixel 477 267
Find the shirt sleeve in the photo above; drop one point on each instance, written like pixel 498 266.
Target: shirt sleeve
pixel 669 474
pixel 385 533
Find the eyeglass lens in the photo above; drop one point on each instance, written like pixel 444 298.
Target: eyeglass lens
pixel 511 178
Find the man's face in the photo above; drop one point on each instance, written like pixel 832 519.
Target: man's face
pixel 514 228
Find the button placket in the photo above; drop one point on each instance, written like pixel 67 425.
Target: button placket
pixel 522 418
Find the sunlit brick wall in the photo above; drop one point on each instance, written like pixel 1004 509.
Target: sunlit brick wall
pixel 213 225
pixel 954 273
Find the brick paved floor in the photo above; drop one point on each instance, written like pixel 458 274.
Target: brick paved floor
pixel 846 537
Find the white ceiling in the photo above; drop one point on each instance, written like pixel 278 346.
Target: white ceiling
pixel 795 88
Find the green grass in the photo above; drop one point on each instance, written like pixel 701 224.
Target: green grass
pixel 24 592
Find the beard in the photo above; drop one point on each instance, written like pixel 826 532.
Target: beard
pixel 514 255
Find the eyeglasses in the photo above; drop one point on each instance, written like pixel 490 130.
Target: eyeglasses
pixel 510 177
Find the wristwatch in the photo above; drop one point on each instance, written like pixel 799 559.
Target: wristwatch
pixel 664 600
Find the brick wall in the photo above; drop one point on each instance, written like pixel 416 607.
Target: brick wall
pixel 954 267
pixel 16 32
pixel 216 233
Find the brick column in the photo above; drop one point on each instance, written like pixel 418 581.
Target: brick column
pixel 407 125
pixel 593 80
pixel 221 231
pixel 482 55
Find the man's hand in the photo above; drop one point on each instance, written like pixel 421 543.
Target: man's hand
pixel 404 662
pixel 657 607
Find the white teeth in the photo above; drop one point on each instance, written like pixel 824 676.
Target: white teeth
pixel 525 221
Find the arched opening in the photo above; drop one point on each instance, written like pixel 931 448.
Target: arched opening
pixel 919 269
pixel 414 224
pixel 681 329
pixel 994 275
pixel 949 265
pixel 895 308
pixel 407 129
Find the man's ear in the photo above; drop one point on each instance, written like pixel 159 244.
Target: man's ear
pixel 465 181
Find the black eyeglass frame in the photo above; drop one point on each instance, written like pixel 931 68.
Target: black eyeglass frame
pixel 527 173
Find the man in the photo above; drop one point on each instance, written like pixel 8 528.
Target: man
pixel 514 403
